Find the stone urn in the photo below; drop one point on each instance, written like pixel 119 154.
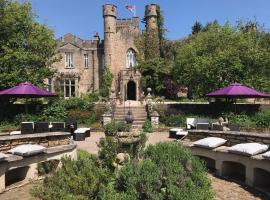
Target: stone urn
pixel 129 141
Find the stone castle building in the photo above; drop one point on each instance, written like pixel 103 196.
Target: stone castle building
pixel 83 61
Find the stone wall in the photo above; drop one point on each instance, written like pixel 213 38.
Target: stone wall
pixel 204 108
pixel 45 139
pixel 232 137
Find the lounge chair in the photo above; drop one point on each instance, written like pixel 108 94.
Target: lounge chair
pixel 58 127
pixel 41 127
pixel 191 123
pixel 27 127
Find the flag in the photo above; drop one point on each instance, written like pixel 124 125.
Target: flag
pixel 131 9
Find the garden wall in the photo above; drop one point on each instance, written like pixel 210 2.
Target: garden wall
pixel 50 139
pixel 232 137
pixel 214 109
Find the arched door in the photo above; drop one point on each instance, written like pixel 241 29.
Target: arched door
pixel 131 90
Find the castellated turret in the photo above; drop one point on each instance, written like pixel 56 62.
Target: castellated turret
pixel 109 15
pixel 151 17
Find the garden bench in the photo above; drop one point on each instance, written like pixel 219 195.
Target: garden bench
pixel 16 170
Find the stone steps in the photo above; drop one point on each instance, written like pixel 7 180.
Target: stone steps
pixel 138 112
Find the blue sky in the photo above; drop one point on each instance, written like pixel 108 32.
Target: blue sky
pixel 84 17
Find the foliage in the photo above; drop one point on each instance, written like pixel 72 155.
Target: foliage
pixel 220 55
pixel 110 129
pixel 106 83
pixel 26 117
pixel 175 120
pixel 75 180
pixel 107 151
pixel 154 72
pixel 147 126
pixel 27 48
pixel 84 103
pixel 55 111
pixel 262 118
pixel 47 167
pixel 85 117
pixel 196 28
pixel 123 127
pixel 166 171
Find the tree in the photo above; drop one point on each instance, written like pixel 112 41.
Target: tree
pixel 222 55
pixel 154 72
pixel 27 48
pixel 196 28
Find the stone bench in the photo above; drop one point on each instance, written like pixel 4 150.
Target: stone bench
pixel 252 170
pixel 25 169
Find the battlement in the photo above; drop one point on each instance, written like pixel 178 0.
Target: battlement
pixel 127 23
pixel 109 10
pixel 151 10
pixel 72 39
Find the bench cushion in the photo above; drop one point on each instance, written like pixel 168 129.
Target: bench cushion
pixel 248 149
pixel 210 142
pixel 27 149
pixel 2 156
pixel 266 155
pixel 81 130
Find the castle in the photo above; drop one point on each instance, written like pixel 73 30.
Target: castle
pixel 82 62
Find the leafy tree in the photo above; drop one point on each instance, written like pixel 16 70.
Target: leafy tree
pixel 222 55
pixel 154 72
pixel 196 28
pixel 27 48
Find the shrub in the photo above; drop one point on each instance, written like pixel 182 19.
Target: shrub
pixel 78 103
pixel 262 118
pixel 110 129
pixel 147 126
pixel 82 116
pixel 167 171
pixel 123 127
pixel 107 82
pixel 54 112
pixel 175 120
pixel 107 151
pixel 76 180
pixel 26 117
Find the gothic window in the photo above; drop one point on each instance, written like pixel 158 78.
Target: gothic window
pixel 131 58
pixel 68 87
pixel 69 60
pixel 85 60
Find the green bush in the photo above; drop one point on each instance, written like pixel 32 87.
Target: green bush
pixel 107 151
pixel 78 103
pixel 147 126
pixel 110 129
pixel 262 118
pixel 107 82
pixel 175 120
pixel 26 117
pixel 123 127
pixel 54 112
pixel 76 180
pixel 82 116
pixel 166 171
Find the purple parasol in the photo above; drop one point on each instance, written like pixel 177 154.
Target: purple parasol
pixel 25 90
pixel 236 90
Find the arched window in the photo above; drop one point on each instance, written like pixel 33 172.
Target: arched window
pixel 131 58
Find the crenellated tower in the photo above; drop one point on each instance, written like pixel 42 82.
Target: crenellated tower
pixel 109 15
pixel 151 17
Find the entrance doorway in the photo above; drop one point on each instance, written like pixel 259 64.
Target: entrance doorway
pixel 131 90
